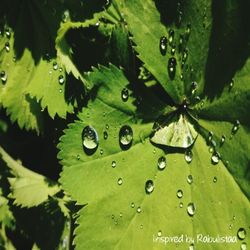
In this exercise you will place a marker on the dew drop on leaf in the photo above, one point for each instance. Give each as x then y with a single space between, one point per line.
243 246
191 247
120 214
132 204
149 186
105 135
210 136
215 158
236 127
231 84
78 157
215 179
188 156
184 57
188 30
159 233
171 36
7 47
222 140
113 164
241 233
101 151
163 45
89 138
126 136
119 181
138 210
191 209
190 179
125 94
194 86
55 65
171 67
61 79
179 193
3 75
173 50
162 162
8 33
60 90
181 205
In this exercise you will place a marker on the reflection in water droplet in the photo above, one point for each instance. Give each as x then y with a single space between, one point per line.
7 47
215 179
149 186
8 33
231 84
188 156
171 36
78 157
241 233
171 67
105 135
179 193
210 136
190 179
119 181
55 65
3 75
222 140
243 246
162 163
60 90
126 135
181 205
89 138
113 164
132 204
61 79
215 158
125 94
163 45
159 233
191 209
138 210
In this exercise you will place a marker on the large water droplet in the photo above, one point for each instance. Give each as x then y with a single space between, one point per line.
4 77
215 158
89 138
119 181
138 210
243 246
191 209
241 233
163 45
171 67
236 127
190 179
149 186
162 163
126 136
61 79
179 193
55 65
188 156
125 94
7 47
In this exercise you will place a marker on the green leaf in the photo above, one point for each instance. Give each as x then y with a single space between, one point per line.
111 182
147 26
28 188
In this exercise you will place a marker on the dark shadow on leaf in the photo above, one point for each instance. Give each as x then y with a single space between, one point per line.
229 44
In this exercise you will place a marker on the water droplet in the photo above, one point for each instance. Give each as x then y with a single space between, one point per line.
125 94
215 179
241 233
78 157
215 158
65 242
236 127
119 181
163 45
188 30
4 77
159 233
188 156
194 86
8 33
65 16
171 36
105 135
14 59
173 50
126 136
231 84
149 186
55 65
243 246
184 56
120 214
222 140
138 210
113 164
107 126
191 209
141 226
61 79
181 205
210 136
190 179
171 67
191 247
7 47
162 163
179 193
60 90
132 204
101 151
89 138
112 216
60 69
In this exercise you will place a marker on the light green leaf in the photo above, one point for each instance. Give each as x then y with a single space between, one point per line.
121 212
28 188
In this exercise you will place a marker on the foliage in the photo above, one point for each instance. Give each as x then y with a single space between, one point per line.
144 104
